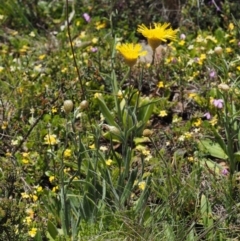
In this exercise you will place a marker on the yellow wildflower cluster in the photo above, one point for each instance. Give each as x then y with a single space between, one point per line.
99 25
156 35
67 153
32 233
163 113
197 122
28 196
51 139
109 162
142 185
160 33
131 52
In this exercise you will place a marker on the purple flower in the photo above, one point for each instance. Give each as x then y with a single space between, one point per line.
207 115
218 103
212 74
196 59
239 43
215 4
86 17
94 49
174 61
224 172
182 36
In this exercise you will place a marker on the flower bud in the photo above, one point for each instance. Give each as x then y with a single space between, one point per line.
147 132
182 36
218 50
84 105
223 86
113 129
67 106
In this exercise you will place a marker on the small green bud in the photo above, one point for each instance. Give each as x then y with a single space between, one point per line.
84 105
223 86
68 106
147 132
218 50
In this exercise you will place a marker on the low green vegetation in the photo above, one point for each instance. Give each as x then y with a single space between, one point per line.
115 127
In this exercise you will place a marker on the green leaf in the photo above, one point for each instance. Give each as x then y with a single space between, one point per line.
212 148
127 119
106 112
237 156
141 202
139 140
144 114
52 230
219 34
145 110
110 136
49 237
128 188
206 212
211 165
38 237
147 217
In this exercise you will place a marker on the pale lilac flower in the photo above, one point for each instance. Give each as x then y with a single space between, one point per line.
174 61
207 115
94 49
224 172
212 74
216 6
86 17
239 43
196 59
182 36
218 103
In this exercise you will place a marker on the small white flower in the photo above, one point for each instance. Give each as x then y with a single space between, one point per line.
181 138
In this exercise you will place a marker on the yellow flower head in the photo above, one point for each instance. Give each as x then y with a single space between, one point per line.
51 139
67 153
160 84
231 26
131 52
99 25
197 122
51 178
32 232
160 33
109 162
142 185
163 113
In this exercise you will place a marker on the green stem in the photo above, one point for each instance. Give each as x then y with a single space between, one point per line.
153 58
73 53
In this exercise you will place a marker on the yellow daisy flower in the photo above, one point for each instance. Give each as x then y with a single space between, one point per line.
231 26
130 52
32 232
142 185
197 122
67 153
160 84
163 113
160 33
109 162
228 50
99 25
51 178
51 139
